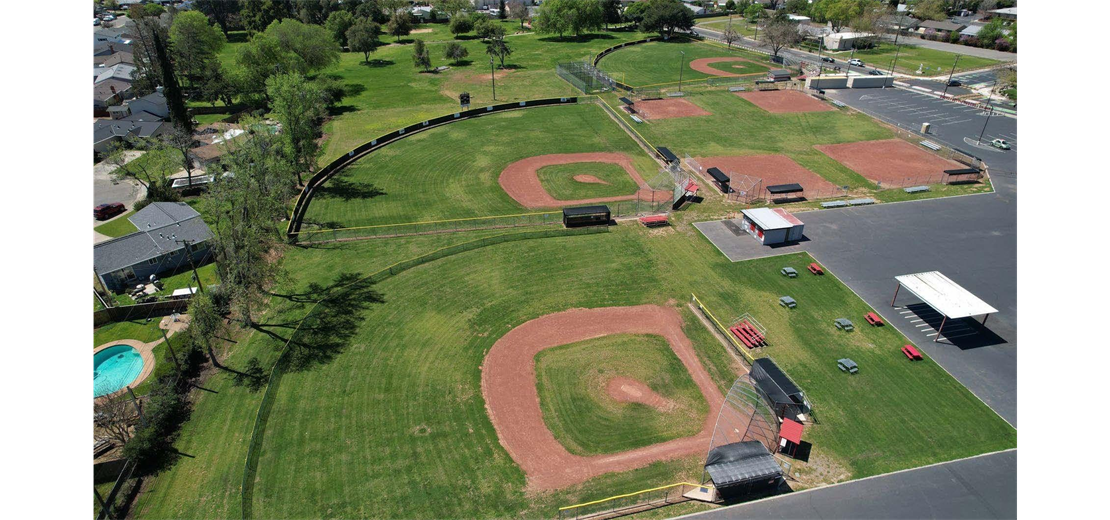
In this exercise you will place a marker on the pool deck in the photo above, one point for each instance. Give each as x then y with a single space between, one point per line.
146 350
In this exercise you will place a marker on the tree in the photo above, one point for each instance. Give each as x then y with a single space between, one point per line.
730 36
257 15
153 10
421 58
870 22
152 171
298 105
666 16
262 57
372 10
181 141
400 24
501 11
363 37
781 33
610 12
113 417
497 47
338 23
730 6
839 13
451 7
930 9
155 41
753 12
311 43
460 25
482 25
518 11
634 13
220 11
455 52
797 6
194 44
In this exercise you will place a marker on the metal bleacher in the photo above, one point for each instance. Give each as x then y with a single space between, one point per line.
737 89
861 202
834 204
838 104
916 189
931 145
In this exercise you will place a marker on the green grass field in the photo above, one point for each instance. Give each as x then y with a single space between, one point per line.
559 181
451 172
659 62
118 227
577 409
911 57
138 329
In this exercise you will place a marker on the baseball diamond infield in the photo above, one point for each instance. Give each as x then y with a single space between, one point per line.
785 101
773 169
521 182
513 403
703 65
668 109
888 160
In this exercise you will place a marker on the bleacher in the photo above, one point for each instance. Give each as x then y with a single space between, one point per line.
737 89
915 189
838 104
861 202
636 119
931 145
834 204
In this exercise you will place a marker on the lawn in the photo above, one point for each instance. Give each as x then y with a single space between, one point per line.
138 329
660 62
559 181
911 57
572 379
739 24
396 407
451 172
117 227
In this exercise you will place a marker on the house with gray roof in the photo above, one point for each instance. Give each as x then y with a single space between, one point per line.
119 71
151 107
940 26
109 131
157 247
110 92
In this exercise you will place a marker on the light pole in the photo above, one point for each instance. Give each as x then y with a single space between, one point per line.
989 111
493 79
681 65
848 70
897 48
946 83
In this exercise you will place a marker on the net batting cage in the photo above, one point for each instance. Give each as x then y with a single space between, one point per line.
585 77
784 397
741 453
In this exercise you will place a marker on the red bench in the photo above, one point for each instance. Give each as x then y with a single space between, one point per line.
742 337
912 353
873 319
815 269
752 332
748 334
654 220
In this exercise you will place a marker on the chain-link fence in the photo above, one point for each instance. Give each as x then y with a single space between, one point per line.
585 77
428 227
631 503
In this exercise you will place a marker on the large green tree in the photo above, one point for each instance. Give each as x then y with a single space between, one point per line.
421 57
363 37
666 16
299 105
220 11
563 17
257 15
400 24
311 43
337 24
195 44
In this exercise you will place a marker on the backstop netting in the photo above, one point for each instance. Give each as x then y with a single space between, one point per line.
742 188
585 77
748 427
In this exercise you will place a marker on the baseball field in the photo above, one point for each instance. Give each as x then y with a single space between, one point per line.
507 372
660 62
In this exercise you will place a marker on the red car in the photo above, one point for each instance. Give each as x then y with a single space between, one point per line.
107 211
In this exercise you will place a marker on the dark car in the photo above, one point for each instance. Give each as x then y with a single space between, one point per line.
954 83
107 211
874 72
827 59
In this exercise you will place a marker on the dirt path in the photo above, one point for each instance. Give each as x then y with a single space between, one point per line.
702 65
521 182
512 401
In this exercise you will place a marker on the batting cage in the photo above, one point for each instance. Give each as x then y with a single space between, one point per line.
741 453
585 77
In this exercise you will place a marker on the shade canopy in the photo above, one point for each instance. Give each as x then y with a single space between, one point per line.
944 295
791 430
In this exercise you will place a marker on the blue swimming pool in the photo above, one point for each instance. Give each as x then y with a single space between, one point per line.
114 368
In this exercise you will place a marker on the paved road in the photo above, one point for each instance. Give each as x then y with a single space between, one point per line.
981 487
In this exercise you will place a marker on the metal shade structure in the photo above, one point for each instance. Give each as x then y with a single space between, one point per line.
944 296
745 438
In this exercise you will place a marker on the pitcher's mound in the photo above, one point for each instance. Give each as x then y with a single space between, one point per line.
627 390
668 109
588 179
785 101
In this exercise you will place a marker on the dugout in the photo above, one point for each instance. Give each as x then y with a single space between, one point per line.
962 175
720 178
776 75
772 226
782 395
668 155
586 216
740 468
778 193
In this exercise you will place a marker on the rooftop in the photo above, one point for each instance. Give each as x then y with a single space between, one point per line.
944 295
767 218
153 242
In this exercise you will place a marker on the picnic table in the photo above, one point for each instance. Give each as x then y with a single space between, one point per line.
789 271
787 302
873 319
844 324
912 353
815 269
847 365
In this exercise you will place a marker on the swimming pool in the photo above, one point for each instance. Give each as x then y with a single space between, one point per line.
114 368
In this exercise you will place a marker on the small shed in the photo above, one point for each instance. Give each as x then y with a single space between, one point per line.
772 226
586 216
782 395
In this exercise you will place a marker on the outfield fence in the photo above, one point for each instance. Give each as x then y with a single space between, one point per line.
305 198
635 502
431 227
262 417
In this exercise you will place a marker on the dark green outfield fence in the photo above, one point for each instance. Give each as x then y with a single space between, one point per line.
278 370
325 173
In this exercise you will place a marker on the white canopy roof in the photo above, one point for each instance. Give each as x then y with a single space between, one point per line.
944 295
766 218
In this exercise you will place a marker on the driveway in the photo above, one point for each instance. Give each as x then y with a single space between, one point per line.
106 189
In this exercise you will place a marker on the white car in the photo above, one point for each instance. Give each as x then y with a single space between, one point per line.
109 17
856 62
1000 143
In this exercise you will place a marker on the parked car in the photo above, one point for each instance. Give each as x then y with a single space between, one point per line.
855 61
1000 143
96 21
109 17
874 72
107 211
954 83
827 59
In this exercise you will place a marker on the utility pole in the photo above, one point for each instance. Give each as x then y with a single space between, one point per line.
897 48
173 355
493 79
989 111
189 255
848 70
953 71
681 65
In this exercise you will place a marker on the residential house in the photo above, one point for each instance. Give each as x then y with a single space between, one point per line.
125 58
153 105
1009 13
110 92
940 27
110 48
108 131
212 143
119 71
159 246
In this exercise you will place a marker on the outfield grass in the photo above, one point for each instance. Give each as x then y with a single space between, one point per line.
559 181
118 227
451 172
571 380
910 57
660 61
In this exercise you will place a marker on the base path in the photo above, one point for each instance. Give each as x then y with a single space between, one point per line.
513 403
702 65
785 101
890 161
521 182
668 109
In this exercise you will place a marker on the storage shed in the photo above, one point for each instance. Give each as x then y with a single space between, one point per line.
772 226
586 216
